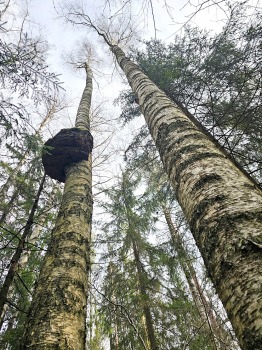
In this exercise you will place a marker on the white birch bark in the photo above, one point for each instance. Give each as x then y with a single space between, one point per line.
57 318
222 206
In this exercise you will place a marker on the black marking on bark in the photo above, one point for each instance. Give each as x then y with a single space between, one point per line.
178 154
71 262
248 185
163 137
194 136
75 252
252 342
135 74
213 228
165 144
152 120
71 236
142 82
61 297
151 96
68 281
166 129
206 180
76 211
202 207
65 300
193 159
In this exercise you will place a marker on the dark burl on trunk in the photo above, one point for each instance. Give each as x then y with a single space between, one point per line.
67 147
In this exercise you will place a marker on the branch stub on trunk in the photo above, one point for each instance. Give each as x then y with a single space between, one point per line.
65 148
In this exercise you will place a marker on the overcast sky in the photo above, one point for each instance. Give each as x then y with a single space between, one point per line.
63 39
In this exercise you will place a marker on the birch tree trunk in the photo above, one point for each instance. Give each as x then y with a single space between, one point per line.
222 205
58 312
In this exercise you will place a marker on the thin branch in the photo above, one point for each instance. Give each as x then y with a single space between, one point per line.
9 302
125 312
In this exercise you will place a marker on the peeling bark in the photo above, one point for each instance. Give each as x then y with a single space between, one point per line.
221 204
58 312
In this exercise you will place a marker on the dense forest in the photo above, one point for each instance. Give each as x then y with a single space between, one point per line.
165 252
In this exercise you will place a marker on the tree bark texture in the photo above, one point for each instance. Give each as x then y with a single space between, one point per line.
222 206
57 318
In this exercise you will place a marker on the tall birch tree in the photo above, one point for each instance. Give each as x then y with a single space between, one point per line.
221 204
58 311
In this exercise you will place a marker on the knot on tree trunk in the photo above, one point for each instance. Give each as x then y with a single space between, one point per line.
67 147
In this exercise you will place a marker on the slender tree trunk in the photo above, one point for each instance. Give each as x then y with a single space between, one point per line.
8 206
91 312
33 237
2 316
186 266
114 339
116 334
142 288
208 318
221 204
58 311
19 250
140 273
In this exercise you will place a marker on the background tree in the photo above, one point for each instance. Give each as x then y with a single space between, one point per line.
136 238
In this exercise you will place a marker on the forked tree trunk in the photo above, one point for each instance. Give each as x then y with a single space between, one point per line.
58 311
221 204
